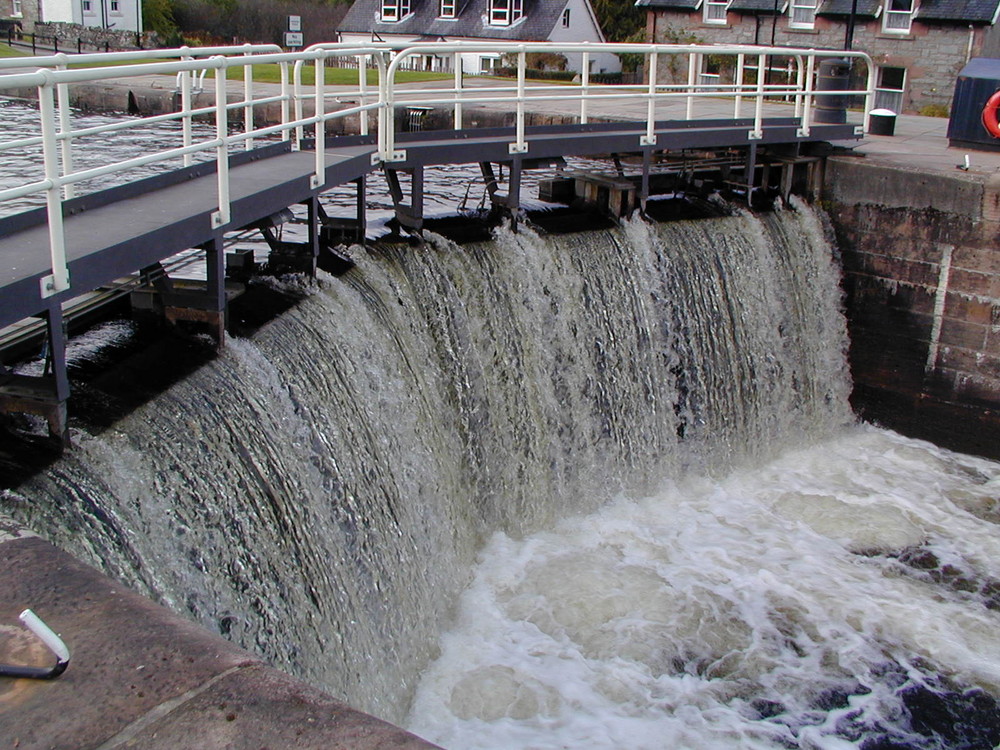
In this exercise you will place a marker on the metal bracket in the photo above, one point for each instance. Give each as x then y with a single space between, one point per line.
51 286
802 133
755 135
315 181
55 644
859 130
517 148
396 156
217 219
647 140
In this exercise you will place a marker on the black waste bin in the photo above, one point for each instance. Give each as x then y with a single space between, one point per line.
881 122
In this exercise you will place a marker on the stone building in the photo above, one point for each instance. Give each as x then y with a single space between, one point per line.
917 46
478 21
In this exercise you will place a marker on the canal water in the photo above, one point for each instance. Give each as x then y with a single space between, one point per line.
595 490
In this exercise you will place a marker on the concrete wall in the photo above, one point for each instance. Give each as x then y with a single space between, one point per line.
921 256
141 676
932 55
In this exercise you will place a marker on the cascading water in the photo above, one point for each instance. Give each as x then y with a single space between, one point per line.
320 493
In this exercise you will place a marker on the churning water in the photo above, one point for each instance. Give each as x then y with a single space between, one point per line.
642 436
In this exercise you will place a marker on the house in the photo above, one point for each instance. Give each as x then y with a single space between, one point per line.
409 21
18 15
917 46
116 15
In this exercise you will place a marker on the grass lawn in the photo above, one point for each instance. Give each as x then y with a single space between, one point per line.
6 51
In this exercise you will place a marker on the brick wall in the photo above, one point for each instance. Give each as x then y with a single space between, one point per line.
932 55
922 277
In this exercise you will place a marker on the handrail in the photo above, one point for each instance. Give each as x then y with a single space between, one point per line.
52 76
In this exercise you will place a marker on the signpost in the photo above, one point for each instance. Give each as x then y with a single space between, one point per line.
294 36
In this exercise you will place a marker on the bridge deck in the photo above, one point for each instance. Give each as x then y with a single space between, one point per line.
119 231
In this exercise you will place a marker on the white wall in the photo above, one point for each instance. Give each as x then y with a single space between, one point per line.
583 28
58 11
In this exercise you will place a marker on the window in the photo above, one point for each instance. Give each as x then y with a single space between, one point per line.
16 13
448 8
487 64
565 19
394 10
505 12
114 6
898 16
87 7
802 14
715 11
890 88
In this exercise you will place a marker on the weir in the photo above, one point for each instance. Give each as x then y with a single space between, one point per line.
80 243
641 434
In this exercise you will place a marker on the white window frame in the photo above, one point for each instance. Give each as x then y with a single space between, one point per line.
115 7
886 98
87 6
715 12
505 12
394 11
802 14
898 21
16 10
448 9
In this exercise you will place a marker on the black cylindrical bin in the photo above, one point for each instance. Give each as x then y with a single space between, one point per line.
881 122
834 75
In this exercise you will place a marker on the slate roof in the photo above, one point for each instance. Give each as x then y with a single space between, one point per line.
866 8
759 7
670 4
540 17
968 11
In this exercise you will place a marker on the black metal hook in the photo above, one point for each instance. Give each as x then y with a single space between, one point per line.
55 644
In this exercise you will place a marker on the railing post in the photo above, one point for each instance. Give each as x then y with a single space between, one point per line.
459 83
693 66
386 125
65 133
740 64
363 93
320 106
650 138
297 101
757 133
285 96
186 132
519 146
58 281
806 121
247 101
222 216
584 86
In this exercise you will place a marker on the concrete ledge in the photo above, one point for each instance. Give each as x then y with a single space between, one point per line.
141 676
853 181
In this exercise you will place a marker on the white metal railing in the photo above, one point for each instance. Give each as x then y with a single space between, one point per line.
304 110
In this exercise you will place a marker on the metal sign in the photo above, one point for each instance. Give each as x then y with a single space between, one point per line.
294 39
295 23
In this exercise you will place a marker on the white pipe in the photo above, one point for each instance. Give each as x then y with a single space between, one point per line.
55 644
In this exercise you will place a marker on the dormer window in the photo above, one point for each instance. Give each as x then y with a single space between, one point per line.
505 12
802 14
394 10
898 16
715 11
448 8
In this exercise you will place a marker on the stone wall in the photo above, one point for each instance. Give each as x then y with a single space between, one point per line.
921 258
932 55
94 37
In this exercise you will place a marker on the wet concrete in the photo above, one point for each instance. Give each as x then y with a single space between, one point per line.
141 676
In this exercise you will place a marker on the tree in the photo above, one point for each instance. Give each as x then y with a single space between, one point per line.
620 20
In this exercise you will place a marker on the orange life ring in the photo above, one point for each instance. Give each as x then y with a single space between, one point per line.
991 119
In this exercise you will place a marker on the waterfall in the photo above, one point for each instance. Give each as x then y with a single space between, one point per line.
320 492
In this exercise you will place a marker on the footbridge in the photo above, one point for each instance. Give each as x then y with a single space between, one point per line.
241 152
